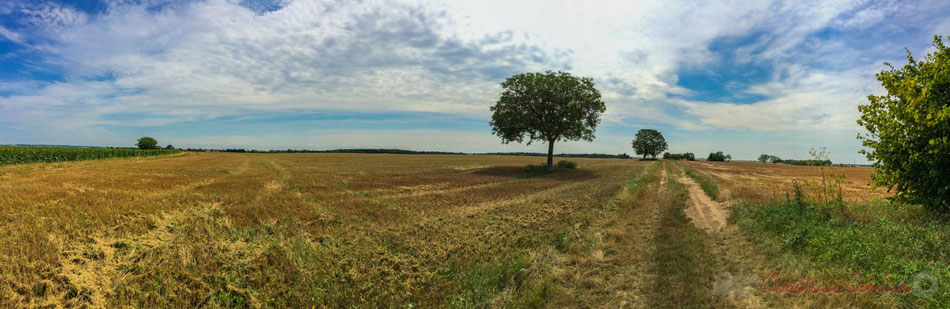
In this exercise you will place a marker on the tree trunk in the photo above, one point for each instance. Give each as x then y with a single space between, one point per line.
550 153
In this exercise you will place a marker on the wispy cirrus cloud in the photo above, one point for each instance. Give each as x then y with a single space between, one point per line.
9 35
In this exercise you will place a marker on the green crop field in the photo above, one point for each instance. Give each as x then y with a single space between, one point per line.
31 154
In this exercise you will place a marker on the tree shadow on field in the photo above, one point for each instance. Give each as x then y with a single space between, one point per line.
521 171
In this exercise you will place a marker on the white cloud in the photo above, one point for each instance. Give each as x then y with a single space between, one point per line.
868 16
51 15
806 100
178 60
10 35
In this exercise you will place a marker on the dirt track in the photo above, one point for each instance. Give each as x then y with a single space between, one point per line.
703 211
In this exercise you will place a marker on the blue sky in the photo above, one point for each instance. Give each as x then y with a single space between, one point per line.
743 77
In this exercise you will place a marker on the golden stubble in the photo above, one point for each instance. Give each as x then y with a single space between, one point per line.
227 229
765 182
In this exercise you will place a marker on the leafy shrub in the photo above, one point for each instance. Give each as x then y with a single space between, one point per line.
567 164
907 137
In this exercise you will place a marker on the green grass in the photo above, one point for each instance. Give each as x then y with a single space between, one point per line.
905 242
684 265
29 154
481 282
647 175
704 181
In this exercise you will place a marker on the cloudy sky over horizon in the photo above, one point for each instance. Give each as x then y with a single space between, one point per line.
744 77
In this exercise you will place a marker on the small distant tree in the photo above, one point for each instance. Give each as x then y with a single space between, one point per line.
908 137
728 157
549 107
716 156
764 158
775 159
649 142
147 143
169 147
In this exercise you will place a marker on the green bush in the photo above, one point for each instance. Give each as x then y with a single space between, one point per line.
565 164
908 128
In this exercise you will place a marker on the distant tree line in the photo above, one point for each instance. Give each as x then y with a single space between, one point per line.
806 162
565 155
766 158
689 156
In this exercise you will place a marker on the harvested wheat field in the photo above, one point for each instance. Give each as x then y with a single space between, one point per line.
291 230
200 229
755 181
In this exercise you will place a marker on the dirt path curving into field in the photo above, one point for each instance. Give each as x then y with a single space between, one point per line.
703 211
736 280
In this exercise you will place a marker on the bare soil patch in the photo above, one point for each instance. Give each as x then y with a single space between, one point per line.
702 210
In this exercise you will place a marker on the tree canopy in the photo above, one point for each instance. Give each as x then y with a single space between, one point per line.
716 156
766 158
649 142
147 143
908 138
548 107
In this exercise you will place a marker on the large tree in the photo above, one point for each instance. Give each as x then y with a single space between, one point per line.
147 143
649 142
547 107
908 136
